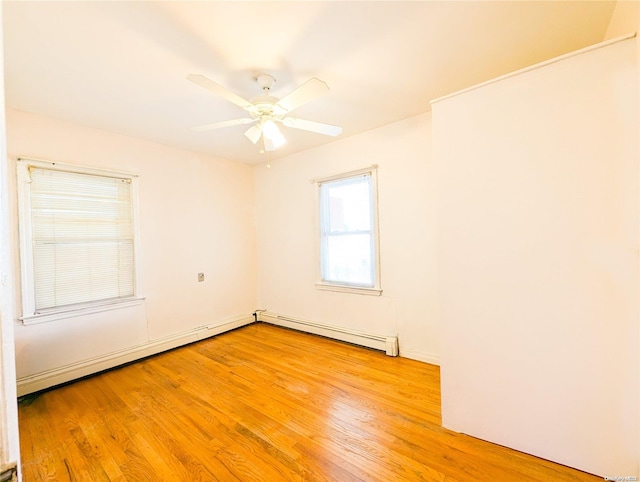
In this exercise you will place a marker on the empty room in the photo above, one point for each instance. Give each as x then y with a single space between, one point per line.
320 241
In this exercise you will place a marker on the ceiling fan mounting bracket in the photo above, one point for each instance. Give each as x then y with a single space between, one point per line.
265 81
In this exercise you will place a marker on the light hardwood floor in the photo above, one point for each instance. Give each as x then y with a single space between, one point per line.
261 403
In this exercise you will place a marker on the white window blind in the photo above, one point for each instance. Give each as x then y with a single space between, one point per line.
82 242
348 242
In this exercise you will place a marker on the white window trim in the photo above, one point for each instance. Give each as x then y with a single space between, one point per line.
80 310
376 290
358 290
26 252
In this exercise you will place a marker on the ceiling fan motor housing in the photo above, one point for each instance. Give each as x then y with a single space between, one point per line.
266 105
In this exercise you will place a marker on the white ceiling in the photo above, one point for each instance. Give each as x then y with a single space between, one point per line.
121 66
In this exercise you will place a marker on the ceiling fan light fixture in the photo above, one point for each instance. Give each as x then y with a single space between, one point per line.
273 138
253 133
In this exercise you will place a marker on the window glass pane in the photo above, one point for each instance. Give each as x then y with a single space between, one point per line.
349 205
348 244
349 259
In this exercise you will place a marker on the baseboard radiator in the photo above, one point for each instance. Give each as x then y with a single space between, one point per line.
388 344
50 378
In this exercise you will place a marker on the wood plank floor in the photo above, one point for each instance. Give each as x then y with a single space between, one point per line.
261 403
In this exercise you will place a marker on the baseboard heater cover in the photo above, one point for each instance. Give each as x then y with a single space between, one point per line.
388 344
51 378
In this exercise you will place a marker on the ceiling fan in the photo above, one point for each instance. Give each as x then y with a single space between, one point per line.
265 110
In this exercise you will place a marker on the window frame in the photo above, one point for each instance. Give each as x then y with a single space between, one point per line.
321 284
29 314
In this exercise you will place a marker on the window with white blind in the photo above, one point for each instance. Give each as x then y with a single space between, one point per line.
77 237
349 233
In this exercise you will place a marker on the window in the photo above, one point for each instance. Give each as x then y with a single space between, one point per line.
77 239
348 233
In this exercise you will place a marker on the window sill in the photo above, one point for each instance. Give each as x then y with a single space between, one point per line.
79 311
349 289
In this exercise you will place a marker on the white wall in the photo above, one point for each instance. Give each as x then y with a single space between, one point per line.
626 19
538 255
196 214
287 236
9 442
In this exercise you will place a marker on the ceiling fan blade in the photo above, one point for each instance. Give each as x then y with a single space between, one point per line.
307 125
209 84
308 91
229 123
253 133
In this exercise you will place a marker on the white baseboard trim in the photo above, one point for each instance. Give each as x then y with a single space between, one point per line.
387 344
50 378
421 356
